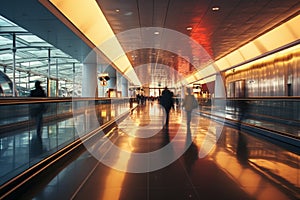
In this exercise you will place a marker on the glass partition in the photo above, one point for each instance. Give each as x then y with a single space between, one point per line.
277 114
31 130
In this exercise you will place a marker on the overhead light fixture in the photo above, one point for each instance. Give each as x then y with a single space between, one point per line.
128 13
189 28
103 78
156 33
215 8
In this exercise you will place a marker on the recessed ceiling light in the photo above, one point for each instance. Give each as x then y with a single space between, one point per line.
215 8
117 10
189 28
128 13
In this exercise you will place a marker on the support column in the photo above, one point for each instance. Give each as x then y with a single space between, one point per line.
28 82
73 84
119 84
219 87
90 89
102 88
14 49
125 87
219 100
112 83
57 86
89 80
182 92
48 78
122 85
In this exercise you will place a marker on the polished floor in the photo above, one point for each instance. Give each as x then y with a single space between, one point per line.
207 161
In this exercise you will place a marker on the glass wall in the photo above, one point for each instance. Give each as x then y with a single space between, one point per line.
25 58
23 143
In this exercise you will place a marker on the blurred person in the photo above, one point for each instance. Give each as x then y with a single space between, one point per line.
143 99
189 103
37 110
38 91
138 98
167 101
242 112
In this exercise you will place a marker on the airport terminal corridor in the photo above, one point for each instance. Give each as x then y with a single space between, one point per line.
86 87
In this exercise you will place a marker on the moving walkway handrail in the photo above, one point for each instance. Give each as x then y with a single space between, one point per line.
31 100
15 112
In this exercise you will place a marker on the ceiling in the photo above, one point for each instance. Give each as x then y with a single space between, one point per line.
219 32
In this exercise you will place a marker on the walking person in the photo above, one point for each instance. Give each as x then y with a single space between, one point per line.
167 101
189 103
36 110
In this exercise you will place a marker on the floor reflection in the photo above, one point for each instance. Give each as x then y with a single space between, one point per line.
191 154
242 149
36 146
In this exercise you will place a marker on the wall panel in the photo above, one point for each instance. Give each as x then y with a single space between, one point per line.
277 75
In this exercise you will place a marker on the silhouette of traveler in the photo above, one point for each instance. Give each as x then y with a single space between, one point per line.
243 109
242 149
36 110
36 146
167 101
189 103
